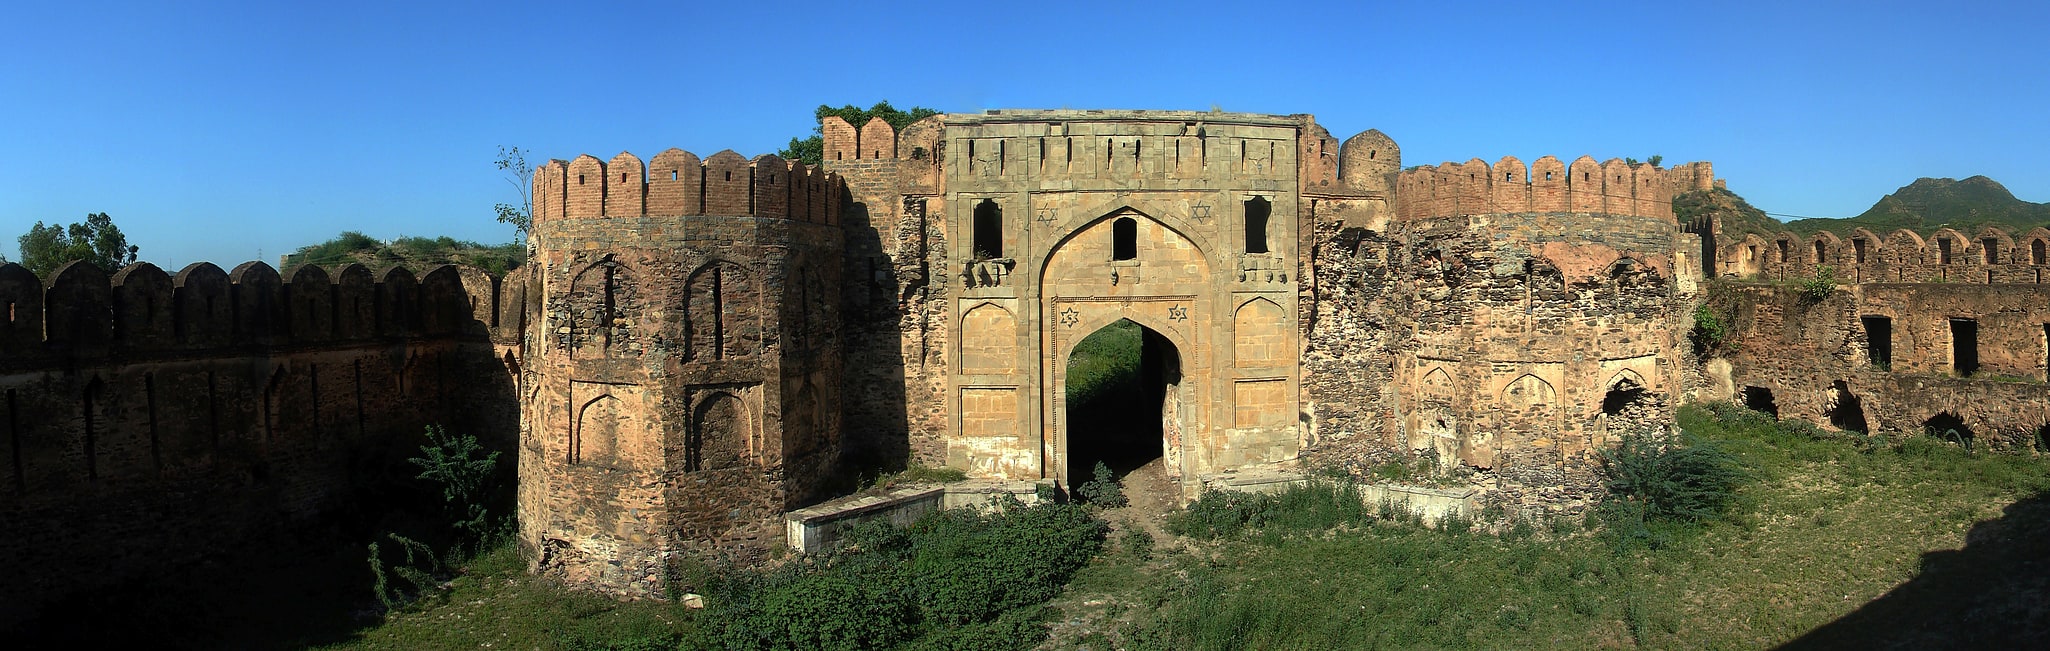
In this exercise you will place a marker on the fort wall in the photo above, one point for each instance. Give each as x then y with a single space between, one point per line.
1884 358
153 420
684 390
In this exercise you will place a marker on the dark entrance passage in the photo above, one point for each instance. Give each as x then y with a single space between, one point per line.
1846 412
1760 399
1949 427
1118 384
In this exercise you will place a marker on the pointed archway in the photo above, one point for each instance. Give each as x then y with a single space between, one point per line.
1123 396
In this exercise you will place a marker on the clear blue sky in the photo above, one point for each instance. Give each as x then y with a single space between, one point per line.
215 131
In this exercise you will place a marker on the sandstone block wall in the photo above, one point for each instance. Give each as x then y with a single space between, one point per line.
152 420
683 388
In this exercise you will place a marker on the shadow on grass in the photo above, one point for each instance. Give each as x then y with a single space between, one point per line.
294 592
1993 594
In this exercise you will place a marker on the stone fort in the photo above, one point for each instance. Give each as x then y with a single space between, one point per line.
700 345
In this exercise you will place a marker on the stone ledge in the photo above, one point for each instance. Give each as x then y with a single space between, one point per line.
814 528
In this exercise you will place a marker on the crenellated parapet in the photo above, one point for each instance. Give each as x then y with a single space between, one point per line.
80 312
1546 185
677 183
1991 255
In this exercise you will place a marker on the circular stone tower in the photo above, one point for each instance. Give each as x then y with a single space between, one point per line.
1546 306
677 390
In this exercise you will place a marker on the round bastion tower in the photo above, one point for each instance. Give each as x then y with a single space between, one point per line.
676 392
1546 306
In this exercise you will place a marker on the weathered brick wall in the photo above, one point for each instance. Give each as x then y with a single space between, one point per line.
1992 256
1475 187
1816 358
897 330
684 390
153 420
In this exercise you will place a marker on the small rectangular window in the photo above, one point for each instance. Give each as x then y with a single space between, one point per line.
1964 346
1992 249
1943 250
1257 212
1878 341
1858 249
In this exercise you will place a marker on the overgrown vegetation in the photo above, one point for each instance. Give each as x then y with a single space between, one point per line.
410 252
467 478
812 149
1834 538
1817 287
1710 331
96 240
1826 523
1102 490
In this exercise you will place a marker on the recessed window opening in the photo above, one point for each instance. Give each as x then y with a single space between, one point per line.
1783 250
1878 341
1000 157
580 179
1821 252
672 175
1372 153
622 177
2036 252
989 230
1943 250
1992 248
1257 212
1964 346
1858 250
971 155
1124 236
1548 176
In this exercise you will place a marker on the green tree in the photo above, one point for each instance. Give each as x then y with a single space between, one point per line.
96 240
513 162
812 150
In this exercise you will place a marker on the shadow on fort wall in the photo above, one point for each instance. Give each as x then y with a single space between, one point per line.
257 540
1992 594
877 299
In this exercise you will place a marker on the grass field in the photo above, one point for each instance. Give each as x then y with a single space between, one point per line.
1835 542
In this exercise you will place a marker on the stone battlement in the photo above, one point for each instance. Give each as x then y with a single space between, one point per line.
677 183
81 313
1992 256
1546 185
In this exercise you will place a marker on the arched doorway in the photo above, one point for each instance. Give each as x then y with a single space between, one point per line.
1123 395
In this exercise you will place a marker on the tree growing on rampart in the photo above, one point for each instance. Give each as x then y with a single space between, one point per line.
96 240
513 161
812 150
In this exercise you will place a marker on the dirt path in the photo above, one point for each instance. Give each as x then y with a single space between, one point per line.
1149 497
1087 614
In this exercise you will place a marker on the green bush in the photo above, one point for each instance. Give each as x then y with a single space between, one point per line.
958 578
1318 505
1821 285
1102 490
1669 480
1709 331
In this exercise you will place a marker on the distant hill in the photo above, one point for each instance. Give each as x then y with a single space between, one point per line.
1928 204
1923 206
1736 215
415 253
